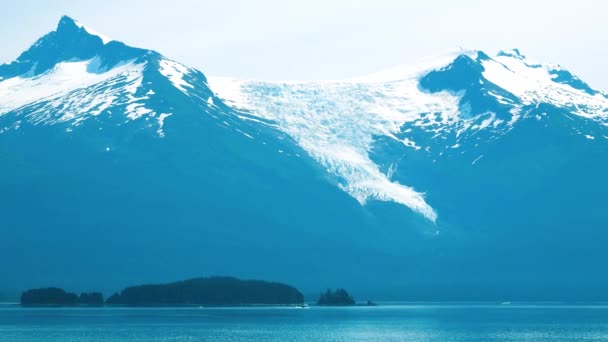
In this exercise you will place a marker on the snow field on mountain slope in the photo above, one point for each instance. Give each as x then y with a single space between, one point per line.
336 122
533 83
72 89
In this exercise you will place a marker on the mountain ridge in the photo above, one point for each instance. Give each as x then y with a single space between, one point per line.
472 92
425 178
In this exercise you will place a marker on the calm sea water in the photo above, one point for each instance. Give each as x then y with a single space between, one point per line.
443 323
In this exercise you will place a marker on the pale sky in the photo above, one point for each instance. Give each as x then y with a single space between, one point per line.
326 39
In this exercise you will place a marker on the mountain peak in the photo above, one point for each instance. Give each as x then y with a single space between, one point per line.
66 22
514 53
67 25
70 41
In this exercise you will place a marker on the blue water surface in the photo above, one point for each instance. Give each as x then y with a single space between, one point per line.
443 323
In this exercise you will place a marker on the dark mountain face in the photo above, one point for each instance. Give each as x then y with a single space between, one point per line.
462 181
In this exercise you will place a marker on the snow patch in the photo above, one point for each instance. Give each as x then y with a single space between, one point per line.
161 123
175 72
410 143
243 133
104 38
135 111
477 159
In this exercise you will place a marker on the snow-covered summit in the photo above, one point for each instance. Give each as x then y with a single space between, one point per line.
70 41
73 74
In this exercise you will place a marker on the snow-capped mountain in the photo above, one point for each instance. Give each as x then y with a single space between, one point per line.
433 173
452 99
72 75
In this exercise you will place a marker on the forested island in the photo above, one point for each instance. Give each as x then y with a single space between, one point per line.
53 296
214 291
339 297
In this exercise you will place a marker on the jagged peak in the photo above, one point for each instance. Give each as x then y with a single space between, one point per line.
514 53
70 41
66 22
105 39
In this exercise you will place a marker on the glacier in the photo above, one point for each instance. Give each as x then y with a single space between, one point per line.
337 122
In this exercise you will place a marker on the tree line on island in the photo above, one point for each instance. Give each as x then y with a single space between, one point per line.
56 296
339 297
209 291
212 291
